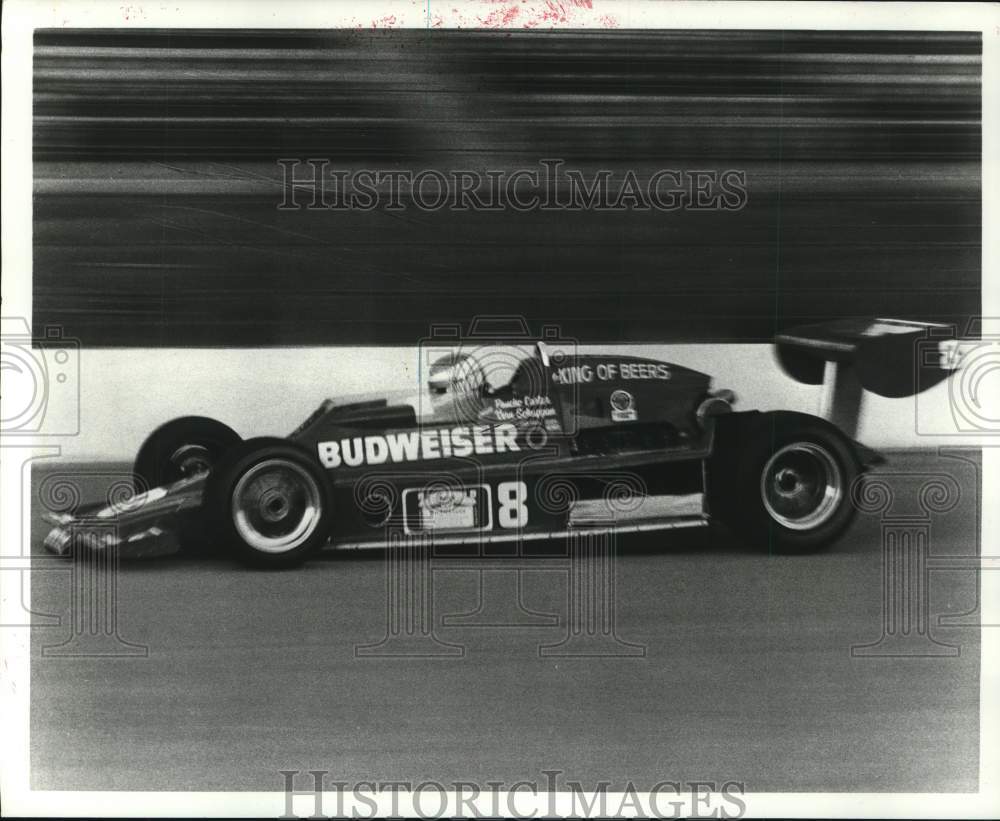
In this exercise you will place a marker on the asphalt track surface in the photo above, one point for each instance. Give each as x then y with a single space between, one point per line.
747 673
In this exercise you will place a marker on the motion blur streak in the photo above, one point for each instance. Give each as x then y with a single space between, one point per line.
157 182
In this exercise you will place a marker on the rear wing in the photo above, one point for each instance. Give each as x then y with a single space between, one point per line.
889 357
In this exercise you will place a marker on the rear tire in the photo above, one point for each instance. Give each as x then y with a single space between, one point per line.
786 483
269 503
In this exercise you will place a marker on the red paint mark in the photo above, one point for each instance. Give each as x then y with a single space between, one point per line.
532 14
500 17
132 12
554 13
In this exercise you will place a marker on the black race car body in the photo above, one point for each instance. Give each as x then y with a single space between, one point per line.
497 465
564 442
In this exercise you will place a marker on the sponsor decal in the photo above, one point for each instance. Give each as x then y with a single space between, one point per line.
622 407
416 445
451 508
603 371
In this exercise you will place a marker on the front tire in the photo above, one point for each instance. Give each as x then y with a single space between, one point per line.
180 448
269 503
790 480
183 448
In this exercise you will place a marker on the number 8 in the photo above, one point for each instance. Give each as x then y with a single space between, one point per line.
513 511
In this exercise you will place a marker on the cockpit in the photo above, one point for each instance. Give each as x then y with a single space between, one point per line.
470 383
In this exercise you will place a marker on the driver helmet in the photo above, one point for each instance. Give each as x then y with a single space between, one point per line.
459 381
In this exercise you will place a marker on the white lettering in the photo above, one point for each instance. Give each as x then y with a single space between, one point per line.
482 442
329 454
460 441
428 444
429 439
404 447
506 438
354 453
513 512
376 450
644 370
573 374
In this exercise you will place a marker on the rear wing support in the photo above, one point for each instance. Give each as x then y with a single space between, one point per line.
889 357
840 401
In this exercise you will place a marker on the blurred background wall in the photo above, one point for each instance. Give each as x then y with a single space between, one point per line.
157 182
159 244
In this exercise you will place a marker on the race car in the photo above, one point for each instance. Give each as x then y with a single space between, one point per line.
562 442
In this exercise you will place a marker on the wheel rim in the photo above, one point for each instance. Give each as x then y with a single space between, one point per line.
191 460
276 506
801 486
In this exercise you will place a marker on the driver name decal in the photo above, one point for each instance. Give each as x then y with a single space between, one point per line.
412 446
527 408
